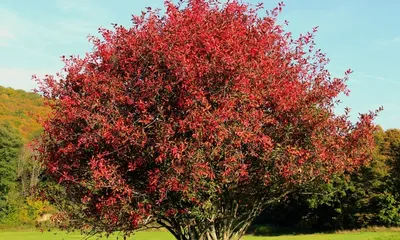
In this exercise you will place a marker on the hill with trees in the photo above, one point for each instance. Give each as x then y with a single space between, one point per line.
19 172
18 108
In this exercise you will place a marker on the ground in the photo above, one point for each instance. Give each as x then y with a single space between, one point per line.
166 236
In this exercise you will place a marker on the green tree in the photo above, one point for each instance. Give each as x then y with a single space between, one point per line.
10 147
28 172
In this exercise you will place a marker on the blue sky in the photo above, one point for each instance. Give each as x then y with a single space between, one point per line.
363 35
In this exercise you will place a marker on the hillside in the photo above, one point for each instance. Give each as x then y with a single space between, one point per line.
19 108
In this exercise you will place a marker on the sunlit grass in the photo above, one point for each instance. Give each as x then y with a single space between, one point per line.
349 235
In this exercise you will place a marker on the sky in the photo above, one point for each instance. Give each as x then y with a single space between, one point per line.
362 35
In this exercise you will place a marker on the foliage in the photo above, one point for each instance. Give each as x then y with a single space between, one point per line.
28 172
19 108
271 230
196 119
366 197
19 173
20 206
10 145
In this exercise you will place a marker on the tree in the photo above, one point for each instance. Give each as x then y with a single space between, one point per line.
10 146
196 119
362 198
28 172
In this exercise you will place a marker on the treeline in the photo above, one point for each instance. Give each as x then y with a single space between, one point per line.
19 173
20 109
368 197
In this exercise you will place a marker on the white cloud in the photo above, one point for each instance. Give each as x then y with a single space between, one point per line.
87 8
377 78
66 4
388 42
6 34
16 28
78 26
17 31
43 42
20 78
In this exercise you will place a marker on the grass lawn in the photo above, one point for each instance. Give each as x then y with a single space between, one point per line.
167 236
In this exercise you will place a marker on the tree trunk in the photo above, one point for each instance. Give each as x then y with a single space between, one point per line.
224 221
222 230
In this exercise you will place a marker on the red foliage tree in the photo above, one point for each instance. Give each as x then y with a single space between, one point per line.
196 119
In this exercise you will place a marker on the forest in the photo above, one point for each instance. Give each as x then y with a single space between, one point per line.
19 172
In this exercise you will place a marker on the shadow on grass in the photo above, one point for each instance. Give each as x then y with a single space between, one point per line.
270 230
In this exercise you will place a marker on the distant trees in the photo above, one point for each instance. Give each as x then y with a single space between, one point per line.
10 147
20 109
28 172
19 172
369 196
197 119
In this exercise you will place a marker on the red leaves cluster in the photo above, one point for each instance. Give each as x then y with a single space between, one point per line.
207 98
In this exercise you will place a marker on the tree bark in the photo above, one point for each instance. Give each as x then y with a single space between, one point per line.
226 220
232 229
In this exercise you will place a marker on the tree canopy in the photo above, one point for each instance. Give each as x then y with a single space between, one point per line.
369 196
19 172
19 108
10 147
196 119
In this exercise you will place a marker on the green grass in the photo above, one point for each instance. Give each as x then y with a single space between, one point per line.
166 236
336 236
